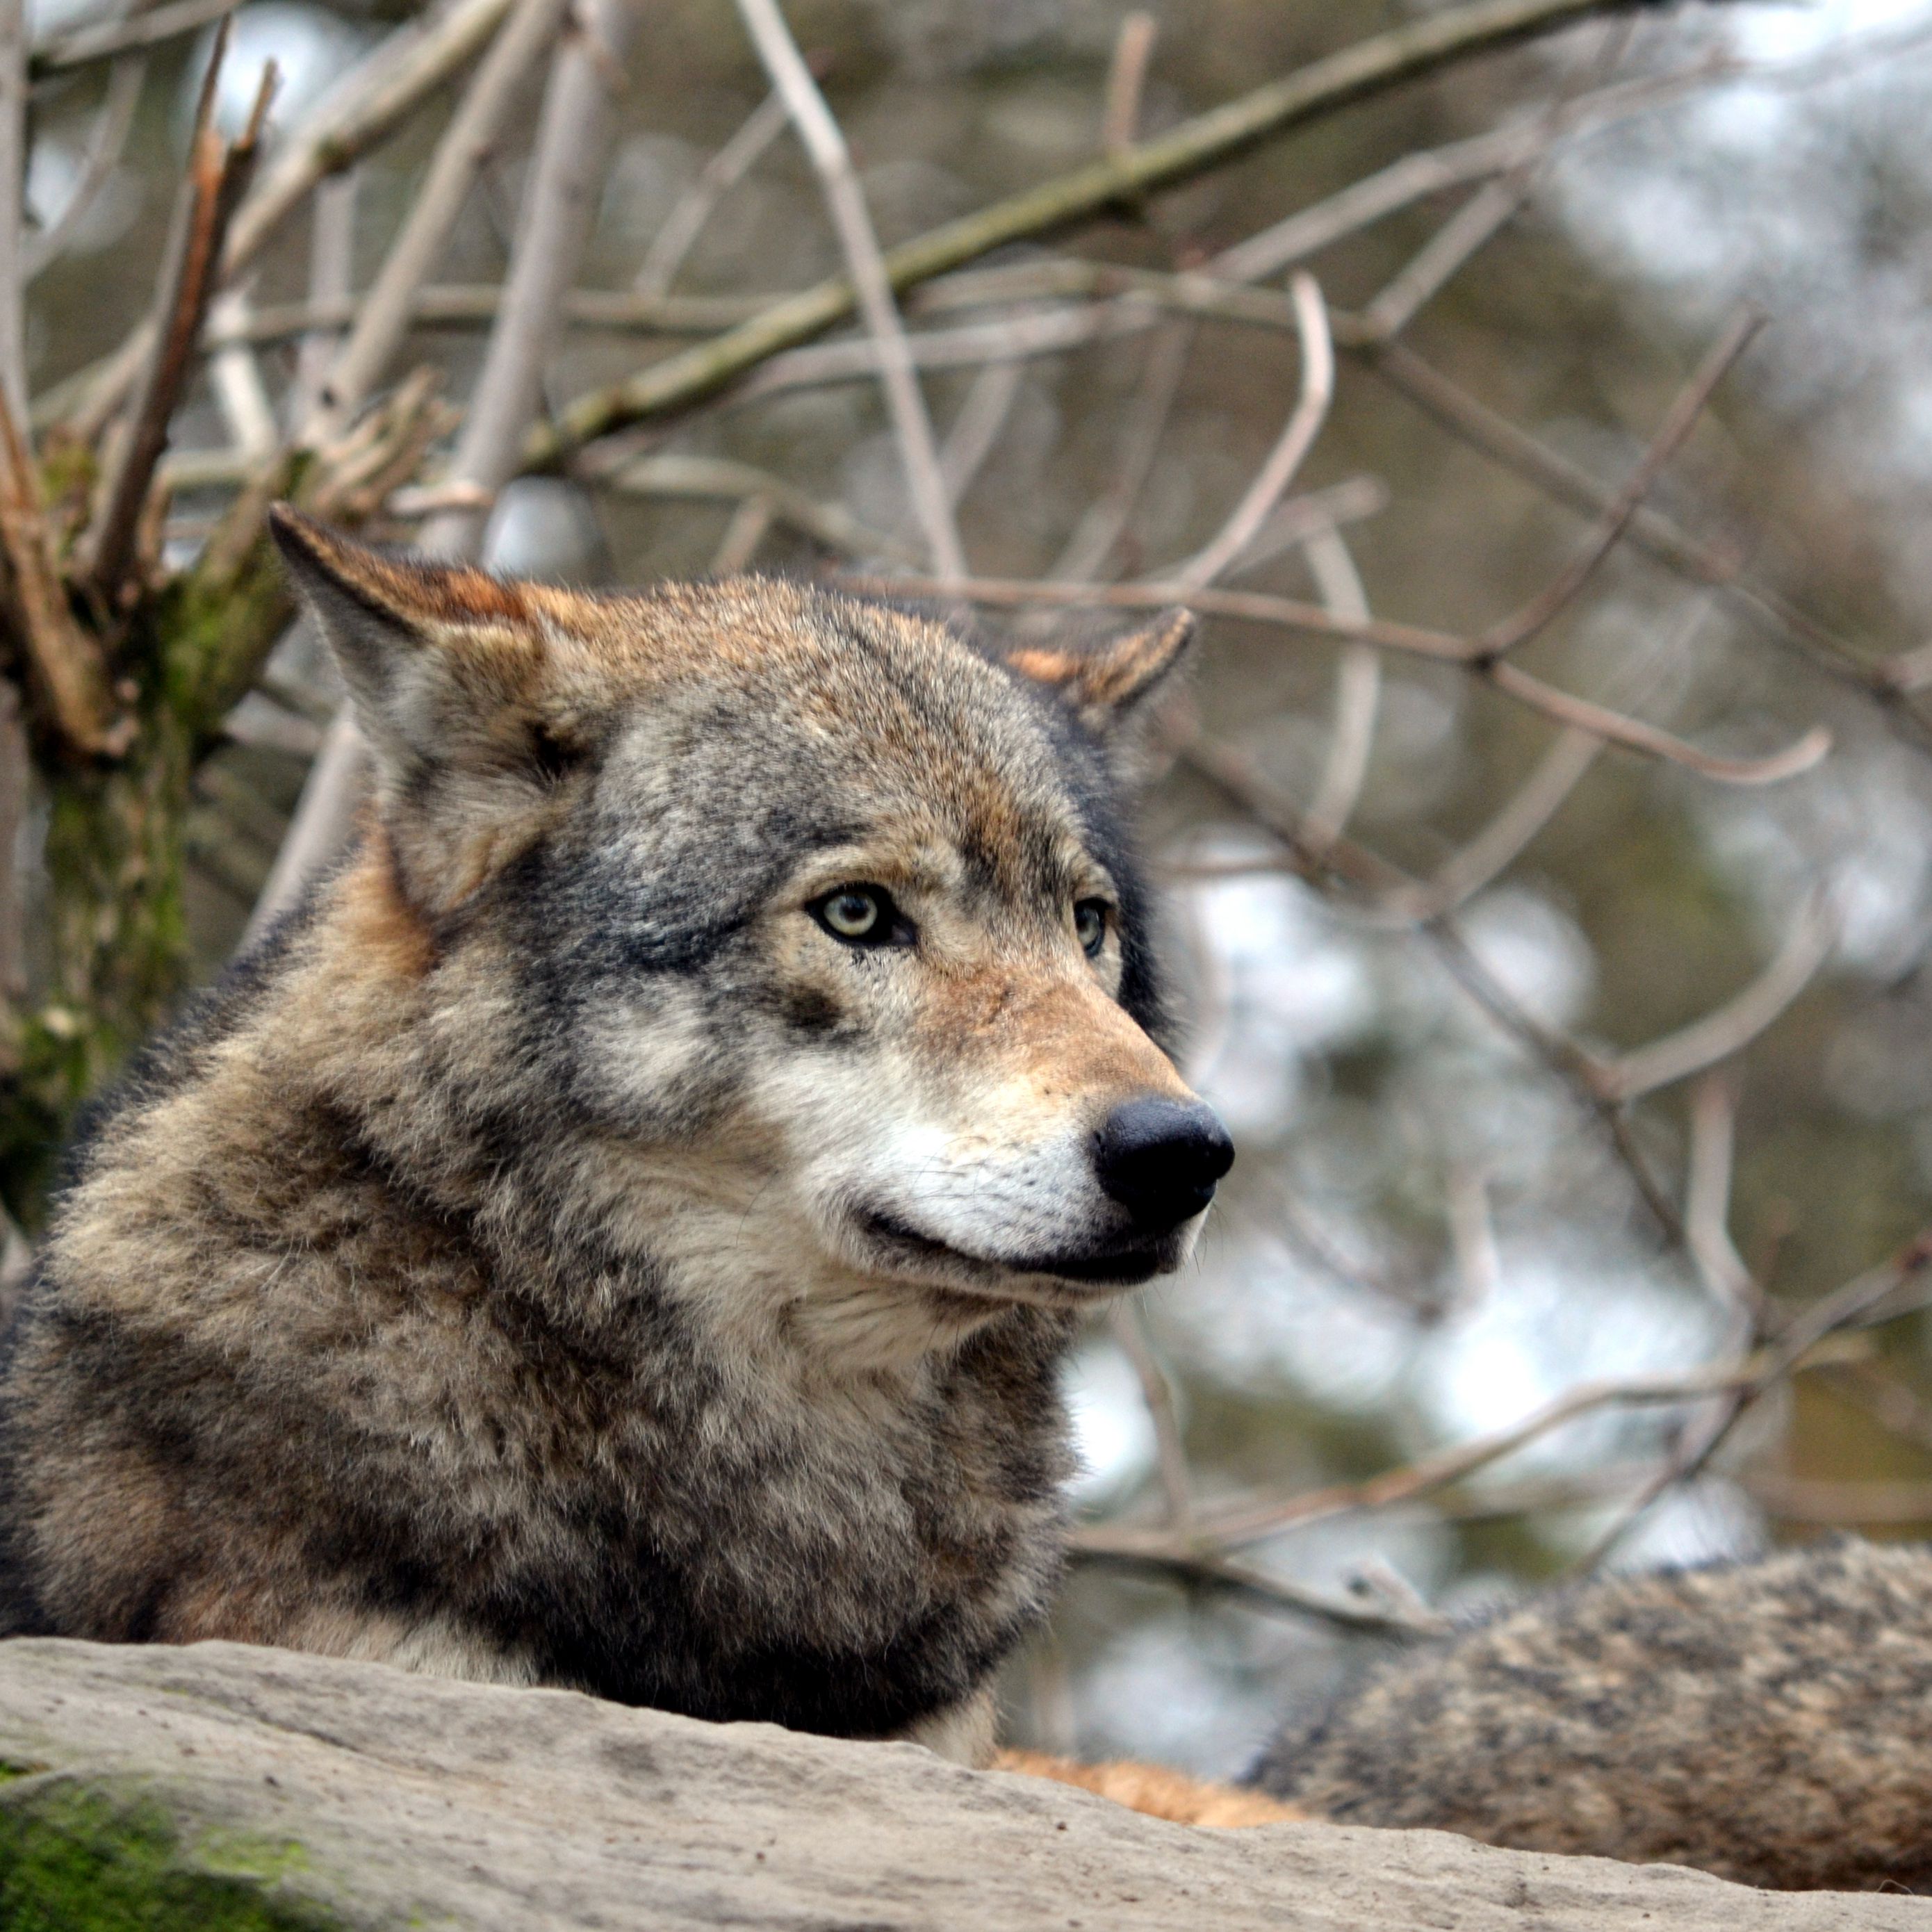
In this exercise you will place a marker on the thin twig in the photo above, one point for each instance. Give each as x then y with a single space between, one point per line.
693 209
1126 82
240 390
360 112
1127 1324
574 134
715 478
1370 67
1358 682
382 316
1257 607
106 142
1508 834
1857 1298
1678 421
13 202
1426 272
1230 1527
111 39
1707 1205
331 268
1458 164
1464 416
1734 1024
217 177
1861 1302
831 161
1290 450
1143 424
1264 1591
975 431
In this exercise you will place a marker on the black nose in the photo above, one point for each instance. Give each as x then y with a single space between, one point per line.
1160 1159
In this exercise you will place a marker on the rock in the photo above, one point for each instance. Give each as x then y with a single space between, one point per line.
225 1788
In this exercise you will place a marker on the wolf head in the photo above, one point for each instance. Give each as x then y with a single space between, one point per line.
795 909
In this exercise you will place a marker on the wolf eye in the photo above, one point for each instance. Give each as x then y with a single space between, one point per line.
862 916
1090 925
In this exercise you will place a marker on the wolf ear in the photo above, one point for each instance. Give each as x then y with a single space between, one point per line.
451 675
443 664
1108 684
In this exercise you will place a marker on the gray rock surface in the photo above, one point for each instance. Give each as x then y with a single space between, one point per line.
231 1790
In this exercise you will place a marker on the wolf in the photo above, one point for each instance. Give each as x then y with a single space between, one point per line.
622 1232
1769 1721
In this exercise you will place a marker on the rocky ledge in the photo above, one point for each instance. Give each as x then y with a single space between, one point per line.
224 1788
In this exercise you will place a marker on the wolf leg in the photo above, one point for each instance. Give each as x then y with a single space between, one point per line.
1155 1790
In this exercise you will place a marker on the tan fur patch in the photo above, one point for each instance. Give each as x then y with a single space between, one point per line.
1108 677
381 925
1159 1793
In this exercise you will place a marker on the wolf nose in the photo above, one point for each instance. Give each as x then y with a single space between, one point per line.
1160 1159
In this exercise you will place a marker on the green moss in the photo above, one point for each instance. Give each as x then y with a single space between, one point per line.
79 1858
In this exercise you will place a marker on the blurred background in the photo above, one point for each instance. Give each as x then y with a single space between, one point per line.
1437 1224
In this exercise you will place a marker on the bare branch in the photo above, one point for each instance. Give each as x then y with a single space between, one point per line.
241 391
1265 1591
370 102
1707 1205
217 177
1677 425
362 110
973 432
1098 531
1736 1024
715 478
1371 66
1464 416
13 202
1858 1301
111 39
750 523
574 138
1461 163
1358 683
1257 607
1861 1303
1254 1522
1504 839
67 671
1298 438
1796 758
1127 1324
382 316
106 142
826 146
1127 81
331 268
693 209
